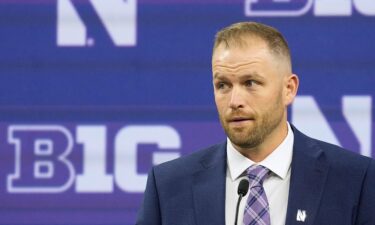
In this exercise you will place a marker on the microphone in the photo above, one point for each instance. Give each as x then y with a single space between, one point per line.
243 187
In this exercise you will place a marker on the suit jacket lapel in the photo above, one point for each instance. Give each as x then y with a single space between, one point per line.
209 188
309 171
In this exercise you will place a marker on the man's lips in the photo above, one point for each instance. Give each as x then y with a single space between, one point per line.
239 120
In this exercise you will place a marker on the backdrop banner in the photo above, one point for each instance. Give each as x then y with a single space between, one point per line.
93 93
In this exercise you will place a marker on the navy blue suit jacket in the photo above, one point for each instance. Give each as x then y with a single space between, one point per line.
333 186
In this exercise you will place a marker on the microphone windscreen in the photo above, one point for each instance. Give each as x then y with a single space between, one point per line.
243 187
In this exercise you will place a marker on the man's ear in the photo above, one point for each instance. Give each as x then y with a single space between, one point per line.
292 83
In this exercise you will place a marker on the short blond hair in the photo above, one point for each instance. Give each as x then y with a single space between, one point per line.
236 33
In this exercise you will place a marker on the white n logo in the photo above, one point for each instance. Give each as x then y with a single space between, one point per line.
118 18
301 215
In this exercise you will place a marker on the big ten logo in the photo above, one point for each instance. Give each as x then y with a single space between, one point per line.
350 126
117 17
271 8
42 164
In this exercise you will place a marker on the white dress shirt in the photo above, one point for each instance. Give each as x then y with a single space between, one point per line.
276 185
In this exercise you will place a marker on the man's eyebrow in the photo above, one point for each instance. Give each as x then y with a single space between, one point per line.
244 76
251 75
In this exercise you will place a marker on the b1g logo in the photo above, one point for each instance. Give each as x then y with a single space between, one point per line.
300 7
118 17
42 163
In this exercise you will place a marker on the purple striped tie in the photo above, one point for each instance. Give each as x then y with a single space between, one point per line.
257 208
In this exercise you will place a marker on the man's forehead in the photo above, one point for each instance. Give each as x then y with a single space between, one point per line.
237 59
252 46
240 54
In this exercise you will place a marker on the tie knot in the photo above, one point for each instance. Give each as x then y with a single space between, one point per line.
256 174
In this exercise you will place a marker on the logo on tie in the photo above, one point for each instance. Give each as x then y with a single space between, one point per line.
301 215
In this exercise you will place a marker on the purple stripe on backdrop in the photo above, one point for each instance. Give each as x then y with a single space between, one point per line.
109 112
77 217
107 108
152 2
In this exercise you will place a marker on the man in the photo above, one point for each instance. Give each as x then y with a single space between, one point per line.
293 179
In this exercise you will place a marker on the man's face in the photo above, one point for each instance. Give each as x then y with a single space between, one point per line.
249 88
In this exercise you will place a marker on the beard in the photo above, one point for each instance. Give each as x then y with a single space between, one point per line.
261 126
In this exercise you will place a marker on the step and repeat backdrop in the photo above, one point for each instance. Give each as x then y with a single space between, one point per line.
93 93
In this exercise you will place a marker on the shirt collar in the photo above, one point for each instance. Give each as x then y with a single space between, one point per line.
278 161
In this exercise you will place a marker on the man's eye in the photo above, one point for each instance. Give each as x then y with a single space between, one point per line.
249 83
221 85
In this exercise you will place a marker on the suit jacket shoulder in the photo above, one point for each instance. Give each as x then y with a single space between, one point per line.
188 190
330 184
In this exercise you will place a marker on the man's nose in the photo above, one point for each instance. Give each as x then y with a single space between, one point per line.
236 99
